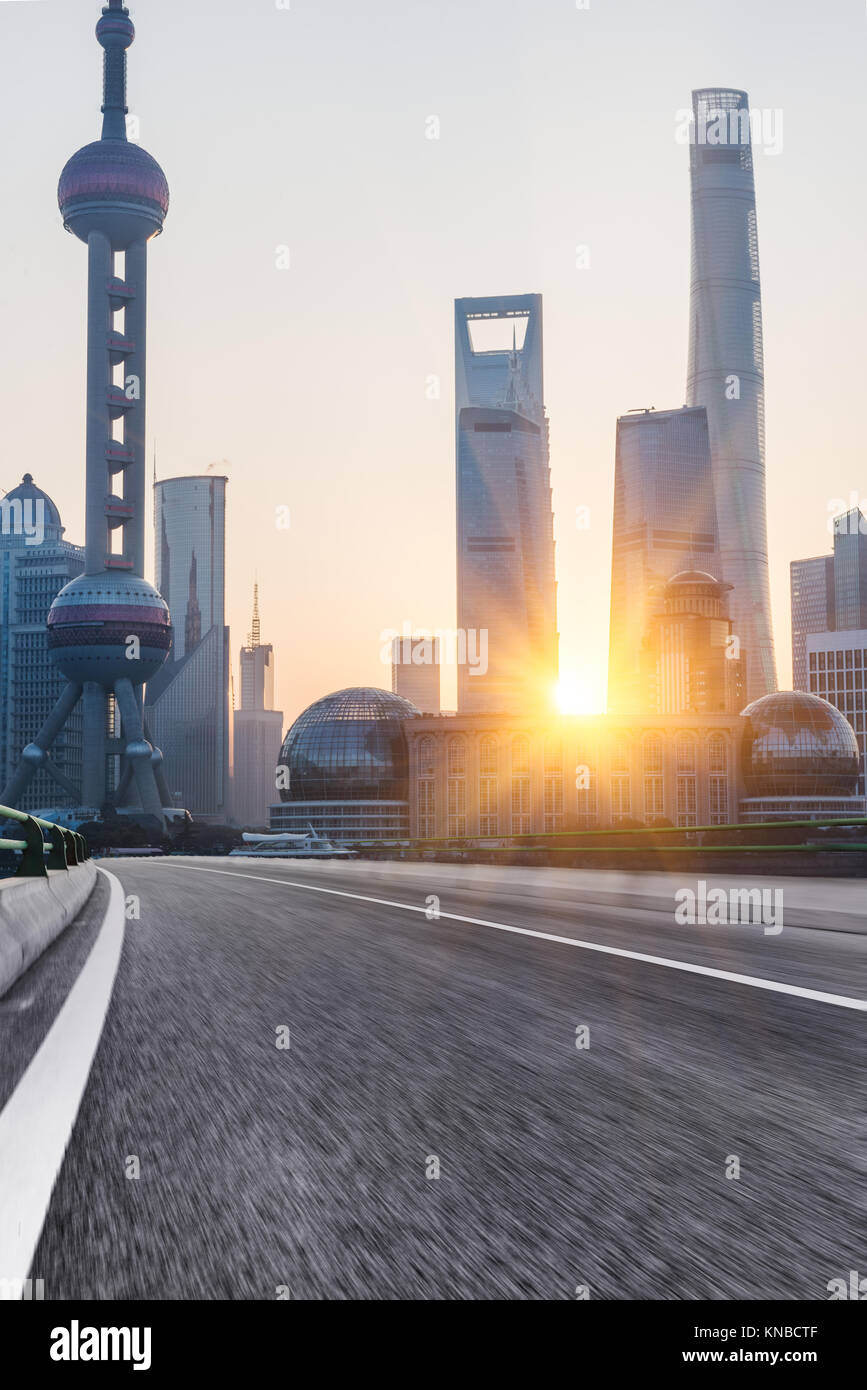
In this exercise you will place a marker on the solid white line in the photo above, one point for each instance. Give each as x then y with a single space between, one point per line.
842 1001
36 1122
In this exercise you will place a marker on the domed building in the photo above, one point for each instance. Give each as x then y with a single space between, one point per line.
691 660
799 759
28 516
343 768
35 564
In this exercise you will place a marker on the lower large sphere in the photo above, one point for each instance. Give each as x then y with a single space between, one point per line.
349 746
796 744
103 627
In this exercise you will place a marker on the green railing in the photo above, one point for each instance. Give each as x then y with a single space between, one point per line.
43 845
646 838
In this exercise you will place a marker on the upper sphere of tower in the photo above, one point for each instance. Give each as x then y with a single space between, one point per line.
115 29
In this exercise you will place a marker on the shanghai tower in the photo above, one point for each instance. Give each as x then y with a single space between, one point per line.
109 630
726 373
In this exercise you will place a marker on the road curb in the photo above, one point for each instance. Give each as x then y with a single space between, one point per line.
37 1120
33 913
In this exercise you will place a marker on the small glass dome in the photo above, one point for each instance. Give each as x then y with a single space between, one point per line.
37 507
796 744
349 746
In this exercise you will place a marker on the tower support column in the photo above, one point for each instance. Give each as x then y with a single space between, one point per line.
134 424
99 270
93 788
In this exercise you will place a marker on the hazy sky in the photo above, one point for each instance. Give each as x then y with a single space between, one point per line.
307 128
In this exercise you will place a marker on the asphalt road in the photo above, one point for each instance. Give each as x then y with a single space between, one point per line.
305 1168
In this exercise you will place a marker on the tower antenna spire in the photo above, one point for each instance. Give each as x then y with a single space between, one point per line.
115 31
256 635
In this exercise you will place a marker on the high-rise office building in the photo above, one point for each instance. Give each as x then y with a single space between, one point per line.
257 665
187 703
415 671
664 523
258 731
190 553
35 564
811 584
837 672
507 608
850 570
829 592
829 625
726 371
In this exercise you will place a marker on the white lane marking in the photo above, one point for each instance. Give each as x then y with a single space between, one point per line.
37 1120
842 1001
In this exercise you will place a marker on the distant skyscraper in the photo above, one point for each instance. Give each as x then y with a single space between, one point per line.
726 371
850 570
35 564
257 666
812 598
190 552
187 703
258 731
415 671
837 671
505 539
829 592
664 523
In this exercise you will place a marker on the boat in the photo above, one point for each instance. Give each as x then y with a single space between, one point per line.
284 845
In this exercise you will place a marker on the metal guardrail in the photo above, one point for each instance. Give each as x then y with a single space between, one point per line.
647 837
43 845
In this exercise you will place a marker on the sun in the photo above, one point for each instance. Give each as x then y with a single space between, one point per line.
575 695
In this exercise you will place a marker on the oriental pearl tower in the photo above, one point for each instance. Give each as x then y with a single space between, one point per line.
109 630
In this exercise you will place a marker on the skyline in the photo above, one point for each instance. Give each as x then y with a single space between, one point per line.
379 292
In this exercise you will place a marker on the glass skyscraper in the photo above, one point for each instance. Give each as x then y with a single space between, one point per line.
664 523
812 600
505 538
850 570
837 671
829 625
726 370
187 703
258 730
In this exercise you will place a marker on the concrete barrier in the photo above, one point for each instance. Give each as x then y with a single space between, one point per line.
33 913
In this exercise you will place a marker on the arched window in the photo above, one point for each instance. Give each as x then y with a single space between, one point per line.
553 773
653 798
457 788
621 790
585 787
718 779
520 785
426 788
488 788
685 759
426 756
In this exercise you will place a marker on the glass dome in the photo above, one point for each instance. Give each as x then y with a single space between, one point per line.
349 746
798 745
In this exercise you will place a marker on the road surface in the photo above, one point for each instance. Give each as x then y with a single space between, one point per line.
420 1044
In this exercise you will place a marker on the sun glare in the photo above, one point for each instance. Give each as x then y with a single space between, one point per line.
574 695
